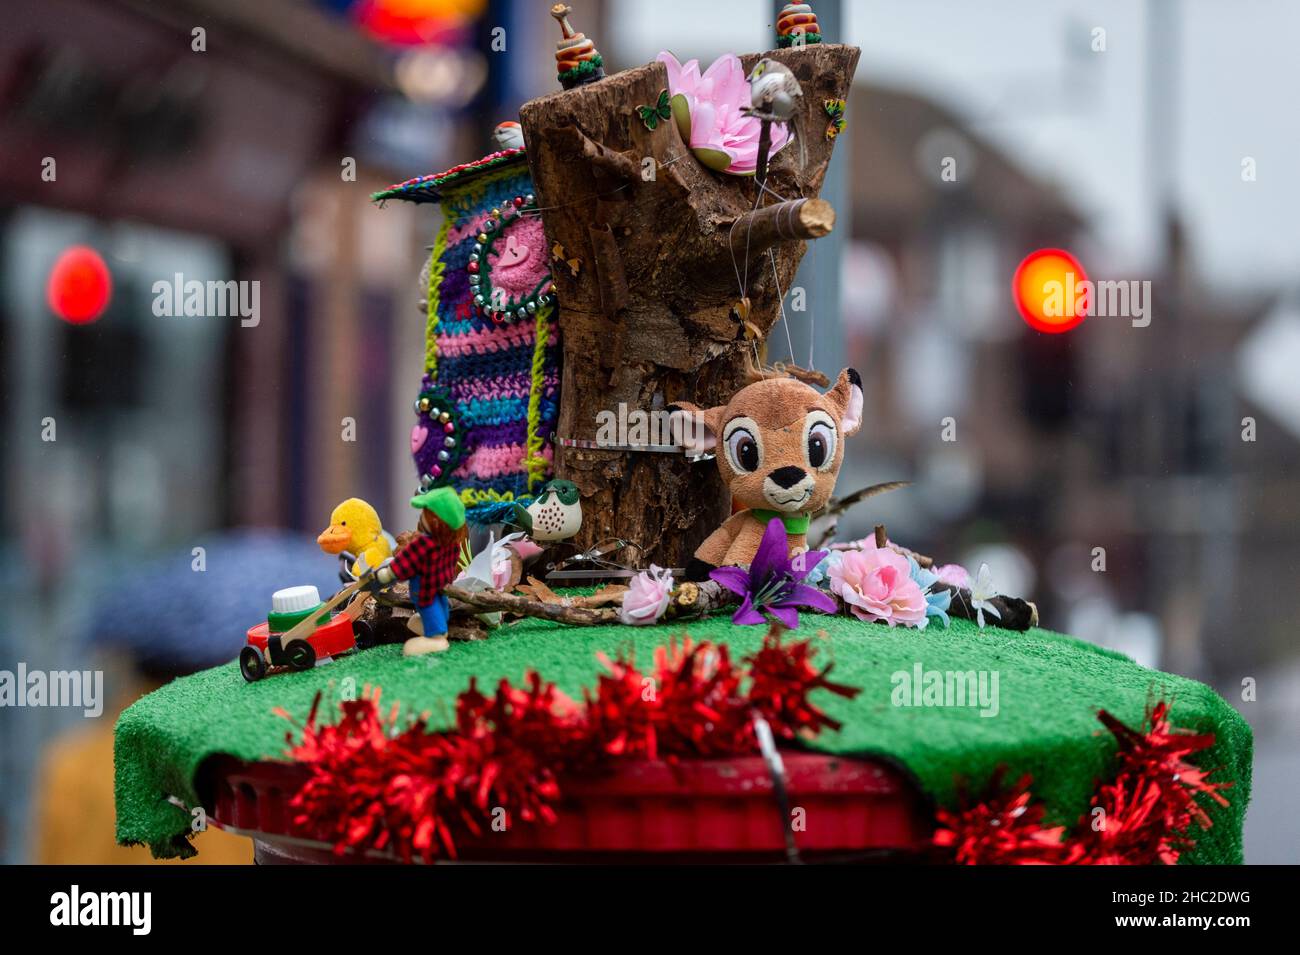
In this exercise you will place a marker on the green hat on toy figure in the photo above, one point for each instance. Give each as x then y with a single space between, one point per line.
445 504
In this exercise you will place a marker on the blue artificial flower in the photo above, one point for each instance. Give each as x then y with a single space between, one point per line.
822 571
937 602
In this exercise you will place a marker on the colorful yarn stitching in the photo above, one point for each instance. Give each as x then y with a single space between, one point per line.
429 188
436 269
536 464
503 376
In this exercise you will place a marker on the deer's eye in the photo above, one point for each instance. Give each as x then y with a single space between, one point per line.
744 447
819 440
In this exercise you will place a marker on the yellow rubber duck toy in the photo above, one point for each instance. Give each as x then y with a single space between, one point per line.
355 528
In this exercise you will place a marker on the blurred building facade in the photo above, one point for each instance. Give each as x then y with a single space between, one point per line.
223 141
1134 440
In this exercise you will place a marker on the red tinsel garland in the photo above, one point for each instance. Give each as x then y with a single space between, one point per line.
1004 827
375 787
1141 817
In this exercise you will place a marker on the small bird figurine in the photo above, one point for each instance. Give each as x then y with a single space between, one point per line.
556 515
774 94
509 135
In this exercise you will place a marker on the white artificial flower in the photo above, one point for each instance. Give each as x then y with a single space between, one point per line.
981 592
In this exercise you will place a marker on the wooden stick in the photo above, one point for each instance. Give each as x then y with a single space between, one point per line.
698 599
764 147
840 505
837 507
756 231
921 559
491 600
1017 613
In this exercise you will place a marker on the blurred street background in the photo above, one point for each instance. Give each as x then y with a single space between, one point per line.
1153 140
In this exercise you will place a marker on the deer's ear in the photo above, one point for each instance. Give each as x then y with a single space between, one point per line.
847 397
695 428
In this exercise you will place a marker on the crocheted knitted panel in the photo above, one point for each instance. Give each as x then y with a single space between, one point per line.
502 376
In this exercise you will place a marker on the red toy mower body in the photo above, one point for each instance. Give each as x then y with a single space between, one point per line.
265 652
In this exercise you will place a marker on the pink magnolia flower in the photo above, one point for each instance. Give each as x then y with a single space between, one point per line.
876 584
647 596
707 109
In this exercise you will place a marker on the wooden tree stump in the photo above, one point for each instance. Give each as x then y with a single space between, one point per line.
648 318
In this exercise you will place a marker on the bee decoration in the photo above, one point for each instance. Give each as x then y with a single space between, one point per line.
660 112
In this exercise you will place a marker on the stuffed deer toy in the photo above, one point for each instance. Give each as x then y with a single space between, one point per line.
779 444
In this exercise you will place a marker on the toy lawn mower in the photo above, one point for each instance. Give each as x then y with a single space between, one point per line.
300 631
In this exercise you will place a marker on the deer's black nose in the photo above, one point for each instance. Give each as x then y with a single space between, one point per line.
788 476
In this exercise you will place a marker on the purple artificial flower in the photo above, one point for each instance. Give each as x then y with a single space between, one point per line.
774 582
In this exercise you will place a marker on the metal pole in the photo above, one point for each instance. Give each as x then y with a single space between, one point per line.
817 331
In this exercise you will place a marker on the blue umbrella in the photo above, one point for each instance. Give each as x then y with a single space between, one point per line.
175 618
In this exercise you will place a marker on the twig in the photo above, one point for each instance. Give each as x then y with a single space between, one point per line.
840 505
764 148
697 599
752 233
491 600
605 596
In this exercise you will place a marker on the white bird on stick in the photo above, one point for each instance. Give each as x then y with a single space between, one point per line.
775 96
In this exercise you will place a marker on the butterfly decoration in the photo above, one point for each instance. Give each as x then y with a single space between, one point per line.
652 116
558 254
740 311
835 110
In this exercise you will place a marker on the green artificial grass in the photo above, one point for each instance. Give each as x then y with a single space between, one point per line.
1050 689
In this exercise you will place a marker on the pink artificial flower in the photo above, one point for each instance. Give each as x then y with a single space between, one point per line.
505 572
707 109
503 577
647 596
955 575
876 584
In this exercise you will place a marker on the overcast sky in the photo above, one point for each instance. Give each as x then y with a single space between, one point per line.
1022 72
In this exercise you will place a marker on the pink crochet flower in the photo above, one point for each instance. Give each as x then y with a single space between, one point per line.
707 109
647 596
876 584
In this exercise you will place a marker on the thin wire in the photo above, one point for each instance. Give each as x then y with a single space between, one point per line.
780 298
812 314
538 210
744 282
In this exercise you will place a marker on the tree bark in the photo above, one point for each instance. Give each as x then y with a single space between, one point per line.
648 321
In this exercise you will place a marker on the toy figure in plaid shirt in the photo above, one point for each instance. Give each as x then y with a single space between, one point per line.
429 563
